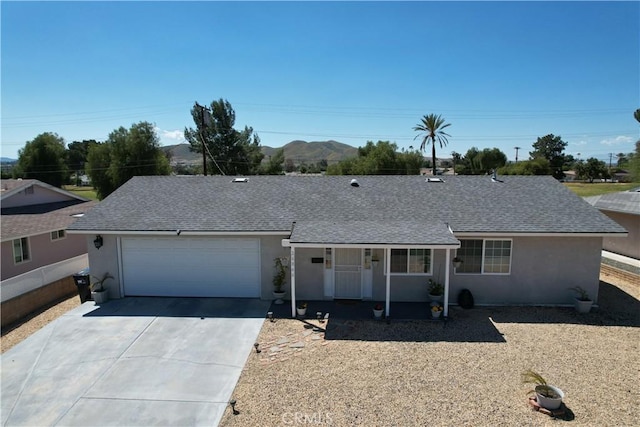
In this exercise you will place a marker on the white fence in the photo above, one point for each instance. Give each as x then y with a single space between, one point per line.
34 279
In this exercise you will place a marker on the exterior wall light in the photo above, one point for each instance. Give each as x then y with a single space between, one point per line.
98 242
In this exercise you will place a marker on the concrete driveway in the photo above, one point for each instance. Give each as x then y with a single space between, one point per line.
134 362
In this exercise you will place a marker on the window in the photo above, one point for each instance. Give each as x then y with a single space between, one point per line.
411 261
21 250
57 235
484 256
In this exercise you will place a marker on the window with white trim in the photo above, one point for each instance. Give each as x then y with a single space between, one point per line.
57 235
21 250
484 256
410 261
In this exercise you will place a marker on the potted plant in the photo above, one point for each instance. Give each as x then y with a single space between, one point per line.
302 309
98 292
436 291
375 260
548 396
457 262
377 311
582 302
279 279
436 311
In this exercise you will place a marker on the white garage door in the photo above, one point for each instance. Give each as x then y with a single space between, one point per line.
191 267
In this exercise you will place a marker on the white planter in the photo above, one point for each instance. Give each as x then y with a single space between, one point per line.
549 402
301 311
100 297
436 314
436 298
278 296
583 306
457 264
378 313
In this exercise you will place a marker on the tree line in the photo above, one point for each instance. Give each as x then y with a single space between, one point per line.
228 151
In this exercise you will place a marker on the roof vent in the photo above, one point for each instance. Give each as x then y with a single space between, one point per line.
240 180
354 183
434 180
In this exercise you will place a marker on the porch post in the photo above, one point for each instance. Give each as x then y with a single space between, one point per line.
446 283
292 263
387 255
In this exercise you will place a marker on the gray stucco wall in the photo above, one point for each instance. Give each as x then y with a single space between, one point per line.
627 246
542 270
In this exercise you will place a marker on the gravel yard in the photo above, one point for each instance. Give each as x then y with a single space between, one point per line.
464 373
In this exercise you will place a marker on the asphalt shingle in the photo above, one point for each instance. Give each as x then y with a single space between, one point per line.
518 204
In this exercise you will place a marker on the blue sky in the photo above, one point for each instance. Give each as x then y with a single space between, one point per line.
501 73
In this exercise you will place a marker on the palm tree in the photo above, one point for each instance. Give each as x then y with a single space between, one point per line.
432 126
636 115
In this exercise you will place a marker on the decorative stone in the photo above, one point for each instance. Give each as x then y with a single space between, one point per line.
298 344
275 349
283 340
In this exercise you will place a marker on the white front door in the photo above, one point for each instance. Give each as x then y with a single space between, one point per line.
348 273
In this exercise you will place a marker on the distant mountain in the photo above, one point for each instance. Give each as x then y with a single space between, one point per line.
298 151
7 160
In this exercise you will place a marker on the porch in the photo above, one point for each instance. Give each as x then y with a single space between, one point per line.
356 310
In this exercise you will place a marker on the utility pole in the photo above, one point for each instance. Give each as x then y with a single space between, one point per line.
204 152
517 148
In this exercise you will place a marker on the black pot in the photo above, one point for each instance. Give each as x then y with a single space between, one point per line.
465 299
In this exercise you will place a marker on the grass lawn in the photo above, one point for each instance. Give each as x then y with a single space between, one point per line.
586 189
88 192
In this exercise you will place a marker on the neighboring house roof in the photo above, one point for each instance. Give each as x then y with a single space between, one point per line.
9 187
32 220
623 201
403 208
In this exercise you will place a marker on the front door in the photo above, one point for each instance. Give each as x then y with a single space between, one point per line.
348 273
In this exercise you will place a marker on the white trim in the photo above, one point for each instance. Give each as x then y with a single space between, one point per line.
493 234
447 270
387 295
407 273
287 242
182 233
292 265
482 272
58 233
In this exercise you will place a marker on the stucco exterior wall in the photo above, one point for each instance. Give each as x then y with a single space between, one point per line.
40 195
627 246
542 270
309 276
270 249
43 251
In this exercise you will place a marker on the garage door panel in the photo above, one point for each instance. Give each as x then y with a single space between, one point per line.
194 267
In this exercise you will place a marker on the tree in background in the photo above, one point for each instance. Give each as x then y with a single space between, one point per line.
43 159
229 151
551 147
77 153
476 162
538 166
381 158
432 127
126 153
592 169
274 166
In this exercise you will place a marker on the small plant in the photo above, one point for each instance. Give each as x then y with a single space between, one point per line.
436 308
541 386
435 288
456 259
377 307
97 285
280 276
302 305
582 294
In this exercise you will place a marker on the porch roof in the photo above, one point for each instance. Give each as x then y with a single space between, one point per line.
373 233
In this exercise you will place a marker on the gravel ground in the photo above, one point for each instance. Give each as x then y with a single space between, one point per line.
38 321
462 373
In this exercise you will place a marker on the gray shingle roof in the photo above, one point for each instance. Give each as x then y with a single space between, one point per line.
38 219
624 201
372 233
532 204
